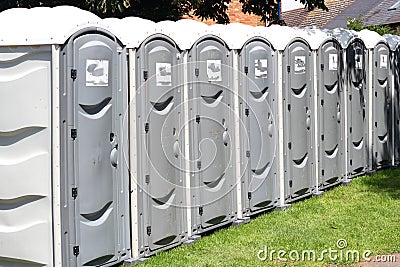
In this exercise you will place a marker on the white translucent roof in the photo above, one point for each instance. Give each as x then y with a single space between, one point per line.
184 32
278 36
43 25
131 31
343 36
314 36
235 34
392 40
370 38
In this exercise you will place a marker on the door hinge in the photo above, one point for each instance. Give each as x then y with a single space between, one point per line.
288 107
73 74
196 72
147 178
75 249
201 211
249 195
290 183
246 112
148 230
146 127
198 118
322 67
74 133
145 74
74 192
199 165
288 68
248 153
246 70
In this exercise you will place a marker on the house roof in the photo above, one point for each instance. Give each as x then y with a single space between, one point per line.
381 15
357 8
373 12
317 17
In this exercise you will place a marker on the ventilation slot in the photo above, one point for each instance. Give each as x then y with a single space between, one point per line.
97 215
216 220
298 92
162 105
258 95
213 184
330 88
382 82
212 99
165 241
260 171
263 204
94 109
99 261
301 162
382 138
14 203
164 200
10 138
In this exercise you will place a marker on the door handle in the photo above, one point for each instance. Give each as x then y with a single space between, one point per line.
176 149
114 157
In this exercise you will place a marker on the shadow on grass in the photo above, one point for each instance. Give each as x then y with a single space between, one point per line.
384 182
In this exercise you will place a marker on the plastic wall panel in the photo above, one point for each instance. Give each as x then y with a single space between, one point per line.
382 109
212 135
259 134
25 157
160 109
357 64
95 220
331 115
396 102
298 125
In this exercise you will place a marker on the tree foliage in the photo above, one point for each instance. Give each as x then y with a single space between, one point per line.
357 24
157 10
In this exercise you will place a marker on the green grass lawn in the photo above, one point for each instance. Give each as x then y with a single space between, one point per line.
366 213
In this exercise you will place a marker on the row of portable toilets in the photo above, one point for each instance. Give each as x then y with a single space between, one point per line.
120 138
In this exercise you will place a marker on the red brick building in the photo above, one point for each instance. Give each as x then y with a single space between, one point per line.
236 15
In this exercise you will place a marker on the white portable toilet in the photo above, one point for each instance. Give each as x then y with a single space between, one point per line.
329 106
295 113
255 97
379 101
355 67
394 44
158 132
63 181
212 132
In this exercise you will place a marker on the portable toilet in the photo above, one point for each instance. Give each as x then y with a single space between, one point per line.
329 115
379 100
157 133
356 123
394 42
62 177
295 107
212 132
257 108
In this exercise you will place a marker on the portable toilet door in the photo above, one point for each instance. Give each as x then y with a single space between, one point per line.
298 117
381 108
211 119
331 115
257 91
393 42
95 173
159 121
357 120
